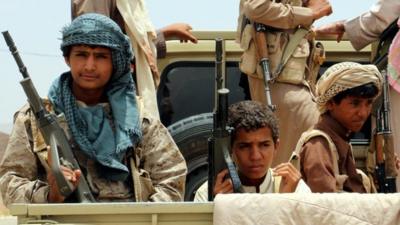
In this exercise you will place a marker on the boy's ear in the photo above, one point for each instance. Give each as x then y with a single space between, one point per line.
277 142
329 105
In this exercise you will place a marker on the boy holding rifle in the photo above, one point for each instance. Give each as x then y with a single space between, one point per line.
254 144
123 153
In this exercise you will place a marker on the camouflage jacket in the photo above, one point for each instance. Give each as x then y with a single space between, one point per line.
157 167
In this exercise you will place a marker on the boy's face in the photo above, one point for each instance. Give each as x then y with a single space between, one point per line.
351 112
91 67
253 152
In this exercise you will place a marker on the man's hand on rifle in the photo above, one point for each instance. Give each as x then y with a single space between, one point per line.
70 175
319 8
222 185
290 177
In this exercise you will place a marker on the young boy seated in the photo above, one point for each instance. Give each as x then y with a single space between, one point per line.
124 154
255 141
345 93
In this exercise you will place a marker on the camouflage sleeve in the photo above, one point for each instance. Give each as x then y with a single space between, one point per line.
164 162
19 182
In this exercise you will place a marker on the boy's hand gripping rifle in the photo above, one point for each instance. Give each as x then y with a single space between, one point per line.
220 142
52 132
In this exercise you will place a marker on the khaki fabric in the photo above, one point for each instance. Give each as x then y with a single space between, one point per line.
366 28
160 166
296 111
105 7
306 209
280 15
284 18
142 34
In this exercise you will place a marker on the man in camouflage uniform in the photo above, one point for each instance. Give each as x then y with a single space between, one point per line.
290 92
124 153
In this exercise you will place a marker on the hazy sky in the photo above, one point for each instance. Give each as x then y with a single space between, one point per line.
37 36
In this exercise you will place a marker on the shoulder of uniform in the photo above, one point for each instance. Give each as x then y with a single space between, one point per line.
314 133
308 137
27 108
314 136
322 139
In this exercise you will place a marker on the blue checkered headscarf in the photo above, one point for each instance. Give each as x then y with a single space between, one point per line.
89 126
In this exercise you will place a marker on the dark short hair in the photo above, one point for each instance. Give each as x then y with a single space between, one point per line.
252 115
368 90
67 49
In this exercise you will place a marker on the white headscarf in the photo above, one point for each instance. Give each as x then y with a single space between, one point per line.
343 76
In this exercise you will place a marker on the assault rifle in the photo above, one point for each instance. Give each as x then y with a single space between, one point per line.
262 50
219 143
385 169
52 132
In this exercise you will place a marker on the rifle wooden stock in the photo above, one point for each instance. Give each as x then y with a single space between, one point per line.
385 172
385 176
261 44
379 143
388 150
262 51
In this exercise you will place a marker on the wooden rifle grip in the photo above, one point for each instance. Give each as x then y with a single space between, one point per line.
261 45
379 144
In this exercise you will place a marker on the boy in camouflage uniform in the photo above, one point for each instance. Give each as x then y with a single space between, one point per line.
124 154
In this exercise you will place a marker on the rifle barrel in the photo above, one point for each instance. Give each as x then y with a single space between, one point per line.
13 49
52 132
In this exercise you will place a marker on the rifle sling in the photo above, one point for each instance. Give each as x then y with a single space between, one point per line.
290 47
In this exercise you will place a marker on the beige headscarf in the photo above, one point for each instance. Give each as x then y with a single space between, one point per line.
343 76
